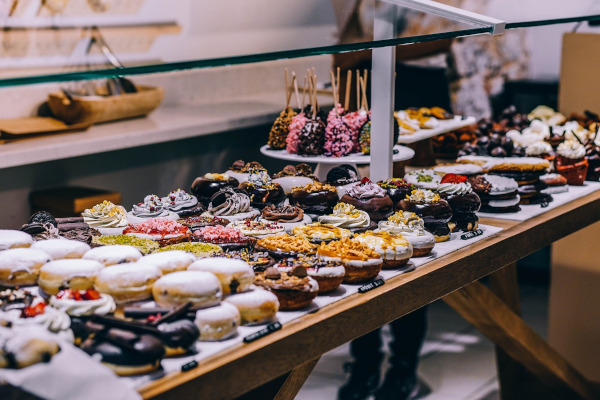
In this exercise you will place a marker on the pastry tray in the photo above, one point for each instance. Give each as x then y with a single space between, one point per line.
445 125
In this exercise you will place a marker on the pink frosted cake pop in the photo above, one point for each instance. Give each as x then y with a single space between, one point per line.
338 138
355 120
293 137
335 112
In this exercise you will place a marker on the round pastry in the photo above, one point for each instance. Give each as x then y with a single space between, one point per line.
182 203
200 221
291 177
531 190
21 347
206 186
113 254
458 169
360 261
218 322
498 194
258 260
282 246
371 198
457 191
80 303
125 352
162 230
21 266
435 212
108 218
262 190
145 246
412 228
423 179
77 274
556 183
231 204
235 275
62 248
396 188
226 237
169 261
257 229
294 290
257 306
151 207
315 198
343 178
128 282
347 216
328 274
42 230
10 239
38 314
241 170
287 216
312 137
197 249
178 336
280 129
394 249
317 232
200 288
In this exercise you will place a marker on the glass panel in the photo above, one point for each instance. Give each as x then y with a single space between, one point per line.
44 41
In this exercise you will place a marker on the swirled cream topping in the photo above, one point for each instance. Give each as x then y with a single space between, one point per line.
571 149
423 196
52 319
78 308
179 199
405 223
152 207
538 148
366 190
235 203
346 216
105 215
455 188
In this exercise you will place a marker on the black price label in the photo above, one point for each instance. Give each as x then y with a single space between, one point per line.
191 365
544 204
472 234
371 286
275 326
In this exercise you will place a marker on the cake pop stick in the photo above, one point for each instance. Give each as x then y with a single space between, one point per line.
304 93
348 87
295 84
315 92
334 93
287 88
358 97
364 92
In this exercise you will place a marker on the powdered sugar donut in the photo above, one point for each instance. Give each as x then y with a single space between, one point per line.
21 266
62 248
113 254
10 239
169 261
257 306
71 273
235 276
202 289
128 282
218 322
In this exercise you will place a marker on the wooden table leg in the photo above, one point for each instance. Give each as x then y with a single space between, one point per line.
516 382
492 317
284 387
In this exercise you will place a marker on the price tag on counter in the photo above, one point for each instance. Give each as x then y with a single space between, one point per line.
275 326
472 234
371 286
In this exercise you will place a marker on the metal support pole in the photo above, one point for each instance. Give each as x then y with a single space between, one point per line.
382 95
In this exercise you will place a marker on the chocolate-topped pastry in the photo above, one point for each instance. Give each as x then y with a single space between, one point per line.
312 137
531 190
328 274
498 194
205 186
240 169
294 289
435 212
287 213
457 191
301 169
200 221
262 190
182 203
259 260
342 175
232 204
396 188
315 198
592 155
237 166
370 197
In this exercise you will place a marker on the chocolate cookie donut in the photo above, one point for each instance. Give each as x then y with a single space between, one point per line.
315 198
205 186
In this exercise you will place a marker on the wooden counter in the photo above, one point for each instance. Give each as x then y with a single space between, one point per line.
292 352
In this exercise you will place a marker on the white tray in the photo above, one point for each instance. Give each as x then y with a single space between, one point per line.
445 125
404 153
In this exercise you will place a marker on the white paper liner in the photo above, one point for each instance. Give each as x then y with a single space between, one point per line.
533 210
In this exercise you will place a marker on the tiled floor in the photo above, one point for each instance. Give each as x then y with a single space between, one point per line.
457 362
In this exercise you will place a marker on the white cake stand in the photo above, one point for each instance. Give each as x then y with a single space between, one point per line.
324 164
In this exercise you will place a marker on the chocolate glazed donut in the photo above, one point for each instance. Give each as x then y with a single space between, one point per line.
378 208
204 188
260 197
463 203
320 203
431 213
398 194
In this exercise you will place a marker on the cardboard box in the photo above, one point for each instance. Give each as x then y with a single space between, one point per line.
70 201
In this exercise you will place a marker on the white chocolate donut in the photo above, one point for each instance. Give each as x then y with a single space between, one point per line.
62 248
394 249
169 261
218 322
73 274
202 289
257 306
79 308
113 254
21 266
54 320
127 282
235 275
10 239
21 347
